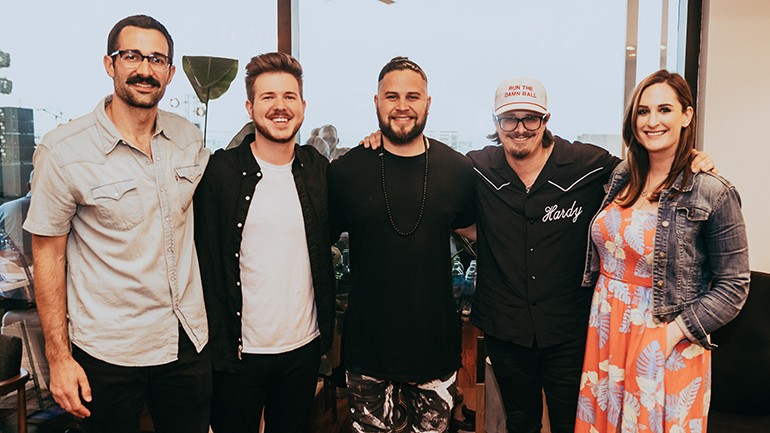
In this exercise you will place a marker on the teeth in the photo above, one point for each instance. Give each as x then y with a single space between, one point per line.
655 133
280 119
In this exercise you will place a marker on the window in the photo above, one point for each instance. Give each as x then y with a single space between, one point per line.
577 49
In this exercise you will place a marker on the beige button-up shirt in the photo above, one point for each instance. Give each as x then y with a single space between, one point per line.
133 279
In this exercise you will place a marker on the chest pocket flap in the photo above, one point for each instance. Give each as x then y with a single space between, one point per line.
118 204
114 191
190 172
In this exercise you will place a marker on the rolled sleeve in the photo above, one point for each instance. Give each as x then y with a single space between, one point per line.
52 206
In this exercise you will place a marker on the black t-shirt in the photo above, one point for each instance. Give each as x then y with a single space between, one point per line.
532 246
401 323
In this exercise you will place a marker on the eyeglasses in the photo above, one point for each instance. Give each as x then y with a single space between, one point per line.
134 58
510 123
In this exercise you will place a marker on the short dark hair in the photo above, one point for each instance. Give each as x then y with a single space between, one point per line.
401 64
271 62
143 22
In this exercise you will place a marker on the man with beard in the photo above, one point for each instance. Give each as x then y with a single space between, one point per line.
537 194
261 227
399 204
116 274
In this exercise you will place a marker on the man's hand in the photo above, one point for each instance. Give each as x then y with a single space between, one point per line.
702 162
373 140
68 384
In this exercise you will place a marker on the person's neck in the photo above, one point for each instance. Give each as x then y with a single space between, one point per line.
272 152
660 167
413 148
136 125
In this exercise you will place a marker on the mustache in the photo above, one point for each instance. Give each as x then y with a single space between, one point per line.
136 79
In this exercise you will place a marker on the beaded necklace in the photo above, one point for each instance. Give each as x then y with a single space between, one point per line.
385 192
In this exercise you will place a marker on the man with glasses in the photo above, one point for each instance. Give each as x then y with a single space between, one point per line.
537 194
117 280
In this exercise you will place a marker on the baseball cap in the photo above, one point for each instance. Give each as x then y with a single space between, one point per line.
521 94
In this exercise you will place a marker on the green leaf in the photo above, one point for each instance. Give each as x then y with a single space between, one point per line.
209 76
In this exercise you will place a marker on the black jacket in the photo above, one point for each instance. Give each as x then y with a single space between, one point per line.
220 205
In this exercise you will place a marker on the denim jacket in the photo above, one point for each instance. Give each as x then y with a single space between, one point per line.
700 274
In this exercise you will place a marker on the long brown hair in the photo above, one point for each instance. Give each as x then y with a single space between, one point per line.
638 158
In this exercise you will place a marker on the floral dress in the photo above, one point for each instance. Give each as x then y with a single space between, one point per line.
627 385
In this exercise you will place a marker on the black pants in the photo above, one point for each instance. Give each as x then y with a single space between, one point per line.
178 394
523 373
283 384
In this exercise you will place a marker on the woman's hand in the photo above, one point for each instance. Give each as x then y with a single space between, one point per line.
673 336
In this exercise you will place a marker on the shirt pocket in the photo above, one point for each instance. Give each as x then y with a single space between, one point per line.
187 178
118 205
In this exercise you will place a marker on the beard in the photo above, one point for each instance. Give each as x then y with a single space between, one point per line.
519 150
265 132
124 92
404 137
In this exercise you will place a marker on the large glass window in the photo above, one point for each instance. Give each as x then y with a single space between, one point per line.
578 49
56 51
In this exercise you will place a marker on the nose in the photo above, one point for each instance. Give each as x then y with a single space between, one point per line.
520 127
144 68
401 105
652 119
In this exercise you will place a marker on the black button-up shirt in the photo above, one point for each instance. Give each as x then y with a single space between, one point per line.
221 204
531 245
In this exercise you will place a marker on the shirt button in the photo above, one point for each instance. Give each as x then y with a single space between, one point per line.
238 283
238 313
236 255
248 198
240 225
664 223
157 158
533 277
244 173
259 174
659 283
531 221
116 194
531 250
662 255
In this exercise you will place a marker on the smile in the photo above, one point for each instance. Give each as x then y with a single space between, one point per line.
654 133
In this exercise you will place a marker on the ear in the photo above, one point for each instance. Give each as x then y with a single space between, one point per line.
427 105
109 66
376 100
688 113
171 71
248 109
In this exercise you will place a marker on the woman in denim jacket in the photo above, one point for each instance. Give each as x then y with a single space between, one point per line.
669 260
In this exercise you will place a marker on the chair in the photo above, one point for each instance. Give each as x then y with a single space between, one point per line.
740 376
13 377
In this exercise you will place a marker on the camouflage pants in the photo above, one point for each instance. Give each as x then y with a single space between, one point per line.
385 406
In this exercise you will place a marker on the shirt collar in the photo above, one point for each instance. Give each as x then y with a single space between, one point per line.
110 133
248 163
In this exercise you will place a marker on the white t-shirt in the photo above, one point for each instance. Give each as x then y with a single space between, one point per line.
279 311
